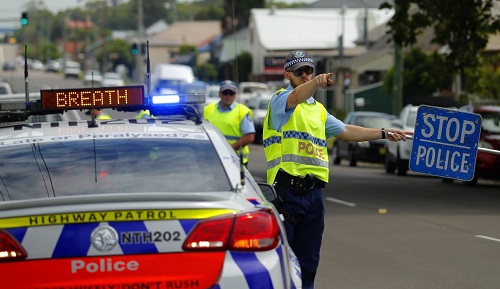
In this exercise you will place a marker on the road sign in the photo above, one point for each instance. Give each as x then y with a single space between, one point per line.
445 143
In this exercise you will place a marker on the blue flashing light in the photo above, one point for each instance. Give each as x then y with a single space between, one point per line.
175 98
165 99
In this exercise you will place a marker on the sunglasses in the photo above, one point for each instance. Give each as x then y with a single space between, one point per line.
307 69
228 92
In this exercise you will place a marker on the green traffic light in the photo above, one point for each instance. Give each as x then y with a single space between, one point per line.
134 49
24 19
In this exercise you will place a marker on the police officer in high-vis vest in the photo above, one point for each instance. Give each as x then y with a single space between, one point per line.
295 132
98 114
233 119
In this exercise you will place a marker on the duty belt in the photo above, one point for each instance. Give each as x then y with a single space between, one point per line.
300 184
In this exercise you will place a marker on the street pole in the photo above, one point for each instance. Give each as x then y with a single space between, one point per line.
140 57
397 77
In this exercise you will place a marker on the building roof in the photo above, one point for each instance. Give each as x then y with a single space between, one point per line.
285 29
347 3
187 32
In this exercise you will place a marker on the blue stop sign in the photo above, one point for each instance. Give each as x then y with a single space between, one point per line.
445 143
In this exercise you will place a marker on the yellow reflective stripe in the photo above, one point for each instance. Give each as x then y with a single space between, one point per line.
111 216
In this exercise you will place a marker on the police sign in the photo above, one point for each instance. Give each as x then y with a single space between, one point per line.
445 143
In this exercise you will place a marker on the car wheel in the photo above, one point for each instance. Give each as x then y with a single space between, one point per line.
400 166
390 167
352 158
336 155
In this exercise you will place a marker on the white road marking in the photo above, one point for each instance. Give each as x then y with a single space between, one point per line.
487 238
340 202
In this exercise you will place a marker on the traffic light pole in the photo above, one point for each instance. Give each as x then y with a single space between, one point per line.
140 57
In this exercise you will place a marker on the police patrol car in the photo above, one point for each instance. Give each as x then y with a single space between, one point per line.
132 203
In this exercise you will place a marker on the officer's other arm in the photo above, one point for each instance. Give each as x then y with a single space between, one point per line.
302 92
243 141
358 133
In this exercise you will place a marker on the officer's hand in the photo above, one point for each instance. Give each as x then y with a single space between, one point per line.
323 80
393 134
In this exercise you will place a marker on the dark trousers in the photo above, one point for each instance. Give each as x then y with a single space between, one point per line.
304 224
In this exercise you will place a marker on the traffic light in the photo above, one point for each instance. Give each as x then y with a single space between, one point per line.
134 49
24 18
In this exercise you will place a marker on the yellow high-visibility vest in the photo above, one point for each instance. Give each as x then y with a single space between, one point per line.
229 123
300 147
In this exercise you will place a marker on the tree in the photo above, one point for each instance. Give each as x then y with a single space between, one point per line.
237 16
206 72
118 52
463 25
424 74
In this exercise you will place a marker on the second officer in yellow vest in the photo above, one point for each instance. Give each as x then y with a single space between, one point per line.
233 119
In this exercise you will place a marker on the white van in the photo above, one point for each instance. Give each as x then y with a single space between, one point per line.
169 78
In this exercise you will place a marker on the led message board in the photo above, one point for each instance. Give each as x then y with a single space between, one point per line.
85 98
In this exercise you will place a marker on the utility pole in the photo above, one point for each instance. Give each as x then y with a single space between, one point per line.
397 76
140 57
103 35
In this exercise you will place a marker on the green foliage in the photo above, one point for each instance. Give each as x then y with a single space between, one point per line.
206 72
187 49
241 13
244 61
423 74
463 25
120 50
485 82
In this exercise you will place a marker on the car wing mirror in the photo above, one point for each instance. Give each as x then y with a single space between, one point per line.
269 192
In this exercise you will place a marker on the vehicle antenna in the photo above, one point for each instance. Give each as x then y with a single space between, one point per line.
148 70
236 77
92 121
26 79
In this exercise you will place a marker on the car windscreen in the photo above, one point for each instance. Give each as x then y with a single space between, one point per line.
490 122
373 121
45 170
412 118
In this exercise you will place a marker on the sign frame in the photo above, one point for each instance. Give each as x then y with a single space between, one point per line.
445 142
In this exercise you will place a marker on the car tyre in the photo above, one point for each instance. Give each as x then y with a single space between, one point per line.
352 158
401 166
390 167
336 155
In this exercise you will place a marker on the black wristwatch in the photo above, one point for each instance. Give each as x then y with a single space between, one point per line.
383 132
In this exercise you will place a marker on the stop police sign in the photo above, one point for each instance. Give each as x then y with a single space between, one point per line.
445 143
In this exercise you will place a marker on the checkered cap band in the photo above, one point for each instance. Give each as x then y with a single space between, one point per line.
298 60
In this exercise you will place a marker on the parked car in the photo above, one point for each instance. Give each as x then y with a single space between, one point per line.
94 76
398 153
53 66
367 151
72 69
37 65
487 164
5 88
259 107
112 79
212 94
9 66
